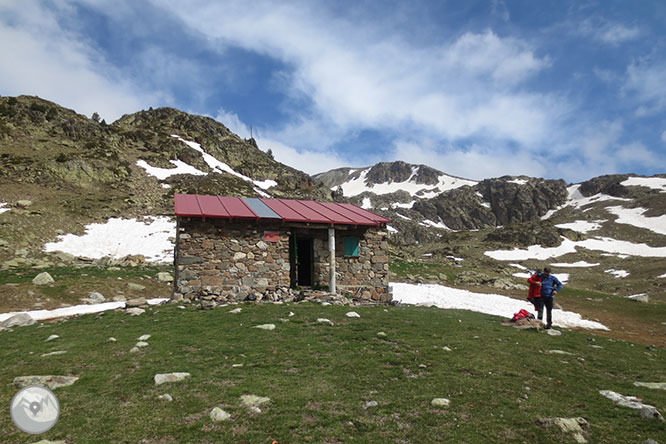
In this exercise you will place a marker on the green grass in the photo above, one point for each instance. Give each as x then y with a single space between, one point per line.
320 377
400 269
22 275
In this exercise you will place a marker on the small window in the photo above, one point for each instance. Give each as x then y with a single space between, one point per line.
351 246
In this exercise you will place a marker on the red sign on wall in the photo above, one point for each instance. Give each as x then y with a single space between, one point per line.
271 236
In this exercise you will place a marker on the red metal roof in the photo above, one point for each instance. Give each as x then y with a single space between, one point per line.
194 205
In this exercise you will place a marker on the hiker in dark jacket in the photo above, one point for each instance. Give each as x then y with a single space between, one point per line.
550 285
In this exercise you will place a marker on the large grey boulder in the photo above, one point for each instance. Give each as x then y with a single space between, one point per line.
18 320
219 415
632 402
575 426
43 278
164 276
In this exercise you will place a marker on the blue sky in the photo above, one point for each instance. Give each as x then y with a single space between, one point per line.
477 89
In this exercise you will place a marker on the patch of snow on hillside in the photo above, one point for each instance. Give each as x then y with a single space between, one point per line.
517 181
563 277
605 244
219 166
522 275
582 226
163 173
391 229
656 183
617 273
403 205
40 315
429 223
579 264
367 203
492 304
634 216
663 276
121 237
354 187
2 209
404 217
577 200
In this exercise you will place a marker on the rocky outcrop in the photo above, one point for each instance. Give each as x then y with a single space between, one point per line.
609 184
459 209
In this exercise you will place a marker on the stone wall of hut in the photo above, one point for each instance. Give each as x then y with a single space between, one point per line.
224 261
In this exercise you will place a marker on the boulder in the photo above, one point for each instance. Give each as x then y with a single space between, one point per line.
370 404
51 338
575 426
652 385
440 402
352 314
135 302
24 203
135 311
51 381
143 337
632 402
135 287
166 397
325 321
95 296
43 278
18 320
254 401
164 276
163 378
219 415
265 326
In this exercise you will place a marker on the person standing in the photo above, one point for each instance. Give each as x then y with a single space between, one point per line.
550 285
534 295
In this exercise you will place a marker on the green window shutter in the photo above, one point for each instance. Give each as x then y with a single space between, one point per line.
351 246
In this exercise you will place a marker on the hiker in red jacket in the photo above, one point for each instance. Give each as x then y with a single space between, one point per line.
534 296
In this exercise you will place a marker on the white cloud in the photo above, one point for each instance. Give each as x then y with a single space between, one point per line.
311 162
663 136
609 32
46 60
645 83
231 121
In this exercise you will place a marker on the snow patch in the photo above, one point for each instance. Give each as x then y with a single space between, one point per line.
163 173
367 203
517 181
567 246
121 237
634 216
391 229
40 315
2 209
439 224
579 264
582 226
617 273
403 205
656 183
492 304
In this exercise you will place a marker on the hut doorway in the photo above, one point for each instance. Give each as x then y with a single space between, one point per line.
301 260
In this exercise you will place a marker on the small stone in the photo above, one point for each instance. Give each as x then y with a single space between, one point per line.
558 352
51 381
254 400
652 385
135 287
18 320
440 402
112 339
141 344
291 313
553 332
208 305
447 349
164 276
265 326
575 426
24 203
135 302
381 334
134 350
235 310
219 415
119 299
135 311
51 338
43 278
166 397
370 404
325 321
143 337
163 378
95 296
352 314
642 297
54 353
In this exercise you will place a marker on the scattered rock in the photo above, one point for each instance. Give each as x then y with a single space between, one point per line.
325 321
235 310
265 326
43 278
208 305
24 203
54 353
166 397
51 338
135 311
18 320
163 378
95 296
370 404
135 302
381 334
219 415
558 352
135 287
112 339
164 276
632 402
143 337
447 349
553 332
141 344
253 402
575 426
440 402
119 299
352 314
642 297
51 381
652 385
134 350
291 313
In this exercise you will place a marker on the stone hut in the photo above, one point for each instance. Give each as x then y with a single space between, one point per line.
234 249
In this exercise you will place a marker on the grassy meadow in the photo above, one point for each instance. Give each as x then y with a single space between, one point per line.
499 380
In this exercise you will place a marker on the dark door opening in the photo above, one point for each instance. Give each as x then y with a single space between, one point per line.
302 262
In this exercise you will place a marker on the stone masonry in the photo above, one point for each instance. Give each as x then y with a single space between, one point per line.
226 261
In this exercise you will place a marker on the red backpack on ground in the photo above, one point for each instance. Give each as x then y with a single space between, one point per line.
521 315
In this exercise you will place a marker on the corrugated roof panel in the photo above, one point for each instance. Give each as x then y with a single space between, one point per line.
310 214
365 213
212 207
285 212
237 208
330 212
262 210
357 219
187 205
